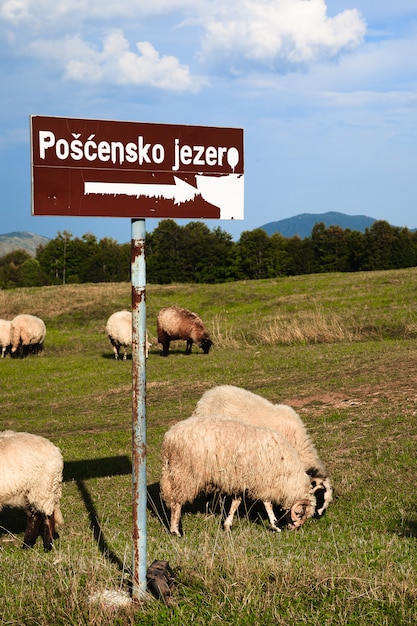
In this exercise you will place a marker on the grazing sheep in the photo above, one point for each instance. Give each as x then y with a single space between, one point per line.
248 407
27 334
174 323
31 478
4 336
119 330
219 454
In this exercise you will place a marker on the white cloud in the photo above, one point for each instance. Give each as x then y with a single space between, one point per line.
294 31
241 36
15 11
115 63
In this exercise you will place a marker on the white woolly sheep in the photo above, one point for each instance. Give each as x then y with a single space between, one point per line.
219 454
27 334
4 336
119 331
31 478
246 406
174 323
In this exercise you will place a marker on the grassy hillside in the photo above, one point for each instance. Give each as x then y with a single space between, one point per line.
340 348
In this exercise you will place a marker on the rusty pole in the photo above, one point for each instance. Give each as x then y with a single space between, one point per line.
139 487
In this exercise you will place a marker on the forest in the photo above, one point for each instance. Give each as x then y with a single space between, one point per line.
194 253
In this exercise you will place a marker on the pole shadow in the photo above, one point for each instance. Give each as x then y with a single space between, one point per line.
79 472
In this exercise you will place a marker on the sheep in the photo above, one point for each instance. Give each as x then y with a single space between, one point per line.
27 334
119 331
4 336
31 478
174 322
220 454
246 406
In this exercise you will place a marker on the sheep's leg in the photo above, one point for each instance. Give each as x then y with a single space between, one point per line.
115 349
189 346
165 345
175 519
271 515
32 529
233 508
48 531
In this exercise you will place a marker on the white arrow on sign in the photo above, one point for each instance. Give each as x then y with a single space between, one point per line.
224 192
180 191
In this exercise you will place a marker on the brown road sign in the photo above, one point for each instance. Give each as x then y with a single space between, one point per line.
131 169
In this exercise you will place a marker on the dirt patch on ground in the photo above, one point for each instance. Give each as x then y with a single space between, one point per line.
403 396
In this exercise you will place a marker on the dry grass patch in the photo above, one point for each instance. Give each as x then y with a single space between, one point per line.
50 302
307 327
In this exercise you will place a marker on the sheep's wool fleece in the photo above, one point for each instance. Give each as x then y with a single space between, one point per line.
30 473
218 453
246 406
119 327
28 329
180 323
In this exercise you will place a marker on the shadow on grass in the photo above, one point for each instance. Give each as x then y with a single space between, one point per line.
213 504
405 526
12 522
80 471
109 356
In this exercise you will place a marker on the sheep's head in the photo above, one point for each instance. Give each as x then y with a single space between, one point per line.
299 513
205 345
322 490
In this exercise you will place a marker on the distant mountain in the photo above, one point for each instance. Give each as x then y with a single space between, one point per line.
303 224
21 240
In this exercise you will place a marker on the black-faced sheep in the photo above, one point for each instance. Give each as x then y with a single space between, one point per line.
246 406
119 331
4 336
27 334
174 323
219 454
31 478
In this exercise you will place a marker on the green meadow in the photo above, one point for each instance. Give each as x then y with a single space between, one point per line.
340 348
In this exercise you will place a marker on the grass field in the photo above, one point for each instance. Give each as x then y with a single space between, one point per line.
340 348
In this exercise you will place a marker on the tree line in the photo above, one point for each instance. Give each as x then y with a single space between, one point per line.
195 254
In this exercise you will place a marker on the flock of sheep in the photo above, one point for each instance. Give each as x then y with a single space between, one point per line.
234 443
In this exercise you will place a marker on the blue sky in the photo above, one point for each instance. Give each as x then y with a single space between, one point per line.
326 95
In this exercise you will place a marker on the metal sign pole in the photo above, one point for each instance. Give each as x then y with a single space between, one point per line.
139 486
